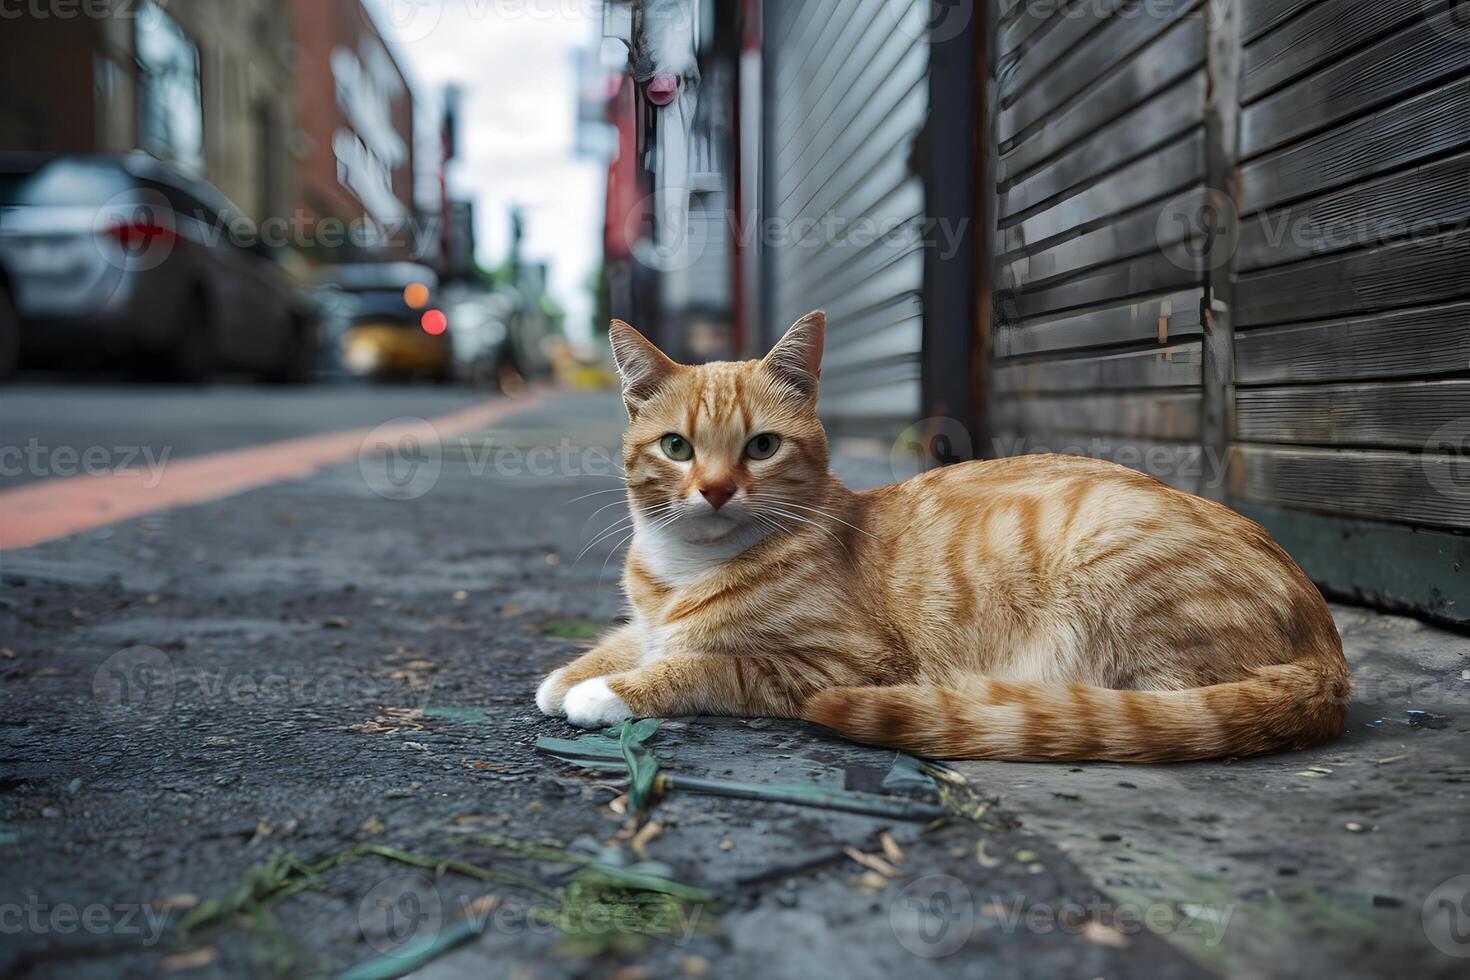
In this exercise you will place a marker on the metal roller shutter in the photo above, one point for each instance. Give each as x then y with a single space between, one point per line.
846 96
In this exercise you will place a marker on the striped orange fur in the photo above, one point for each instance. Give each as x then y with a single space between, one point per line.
1041 607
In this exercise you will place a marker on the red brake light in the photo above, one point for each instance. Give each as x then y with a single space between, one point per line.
139 235
434 322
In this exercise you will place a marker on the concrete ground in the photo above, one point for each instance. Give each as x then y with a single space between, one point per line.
341 667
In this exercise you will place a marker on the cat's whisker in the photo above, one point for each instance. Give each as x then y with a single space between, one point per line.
604 507
806 520
758 495
568 503
614 529
623 524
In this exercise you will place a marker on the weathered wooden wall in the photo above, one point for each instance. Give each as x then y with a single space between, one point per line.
1100 130
1240 230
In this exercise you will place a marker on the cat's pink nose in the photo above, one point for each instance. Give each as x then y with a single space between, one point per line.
718 494
662 88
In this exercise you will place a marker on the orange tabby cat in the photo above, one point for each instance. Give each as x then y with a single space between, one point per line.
1041 607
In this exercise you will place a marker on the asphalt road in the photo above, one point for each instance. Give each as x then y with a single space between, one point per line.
337 670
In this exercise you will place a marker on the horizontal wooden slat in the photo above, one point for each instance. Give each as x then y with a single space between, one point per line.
1183 466
1425 200
1416 57
1384 565
1424 126
1135 322
1426 416
1158 121
1170 268
1176 366
1259 16
1101 52
1151 415
1021 21
1406 488
1422 272
1048 49
1177 53
1139 232
1406 343
1321 34
1166 171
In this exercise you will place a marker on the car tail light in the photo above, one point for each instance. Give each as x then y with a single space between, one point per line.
138 236
434 322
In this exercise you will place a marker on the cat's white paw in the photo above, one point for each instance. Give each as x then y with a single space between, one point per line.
551 695
592 704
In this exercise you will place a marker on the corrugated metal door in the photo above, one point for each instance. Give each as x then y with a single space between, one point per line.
1232 249
843 222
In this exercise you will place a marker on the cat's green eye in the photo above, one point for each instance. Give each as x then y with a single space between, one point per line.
677 448
763 446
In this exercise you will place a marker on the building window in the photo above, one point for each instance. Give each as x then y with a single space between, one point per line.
170 106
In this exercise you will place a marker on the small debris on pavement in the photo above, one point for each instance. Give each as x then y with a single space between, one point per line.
727 845
872 862
336 623
192 960
1103 935
645 834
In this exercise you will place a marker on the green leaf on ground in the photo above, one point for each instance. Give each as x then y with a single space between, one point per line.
572 629
457 714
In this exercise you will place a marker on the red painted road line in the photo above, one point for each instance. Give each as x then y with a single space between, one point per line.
51 509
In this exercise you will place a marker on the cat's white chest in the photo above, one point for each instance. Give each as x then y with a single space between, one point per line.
678 563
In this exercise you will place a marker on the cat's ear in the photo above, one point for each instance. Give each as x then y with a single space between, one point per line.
642 366
797 359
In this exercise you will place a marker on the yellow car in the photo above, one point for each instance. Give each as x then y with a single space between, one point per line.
394 328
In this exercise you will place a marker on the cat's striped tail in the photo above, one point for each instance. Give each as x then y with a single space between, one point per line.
1287 706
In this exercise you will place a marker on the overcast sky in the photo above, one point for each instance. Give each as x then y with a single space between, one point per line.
513 60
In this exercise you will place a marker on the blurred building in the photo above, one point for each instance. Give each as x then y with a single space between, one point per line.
207 85
356 113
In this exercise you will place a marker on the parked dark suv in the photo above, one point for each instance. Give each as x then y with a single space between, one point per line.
132 258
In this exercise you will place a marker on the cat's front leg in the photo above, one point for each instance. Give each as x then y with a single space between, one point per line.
683 685
619 651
